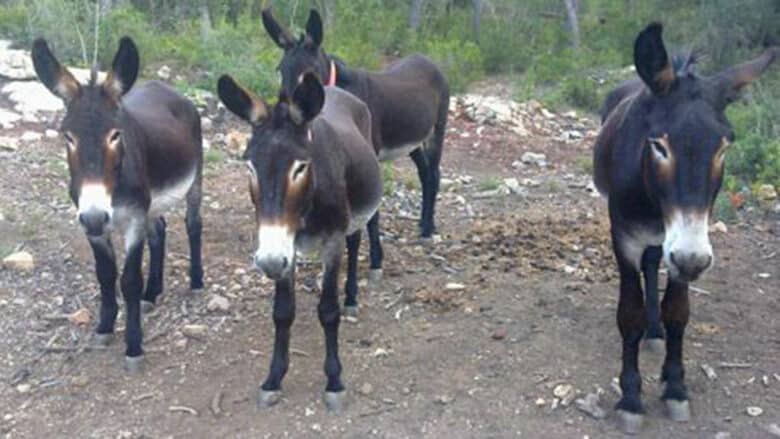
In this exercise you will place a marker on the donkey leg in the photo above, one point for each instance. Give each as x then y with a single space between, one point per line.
423 170
376 254
105 267
651 260
675 312
632 321
132 289
155 234
433 152
284 315
194 227
330 317
351 285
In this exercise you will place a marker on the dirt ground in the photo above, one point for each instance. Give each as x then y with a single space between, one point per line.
469 337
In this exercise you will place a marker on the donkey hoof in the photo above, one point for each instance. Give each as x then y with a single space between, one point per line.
629 423
146 307
335 401
268 398
134 365
375 276
679 411
655 345
196 291
351 311
103 340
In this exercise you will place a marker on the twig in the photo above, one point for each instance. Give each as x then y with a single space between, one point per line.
726 365
216 403
183 409
376 412
700 290
397 299
143 396
299 352
58 349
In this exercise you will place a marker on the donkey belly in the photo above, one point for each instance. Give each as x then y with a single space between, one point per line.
359 217
164 198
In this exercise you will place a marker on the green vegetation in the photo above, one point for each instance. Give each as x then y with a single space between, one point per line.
531 41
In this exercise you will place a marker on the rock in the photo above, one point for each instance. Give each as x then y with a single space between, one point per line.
195 331
565 392
9 143
80 381
366 389
80 317
8 119
180 344
590 405
722 435
206 123
754 411
22 261
24 388
454 286
499 334
538 159
513 185
51 134
720 227
236 141
766 192
164 73
540 402
773 429
31 136
218 303
444 399
709 371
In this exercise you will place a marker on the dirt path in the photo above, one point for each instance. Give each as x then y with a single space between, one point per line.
469 337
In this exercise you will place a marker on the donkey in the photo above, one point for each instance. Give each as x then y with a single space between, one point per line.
132 154
659 158
409 101
314 180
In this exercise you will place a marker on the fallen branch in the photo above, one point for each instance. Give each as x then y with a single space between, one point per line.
700 290
183 409
299 352
725 365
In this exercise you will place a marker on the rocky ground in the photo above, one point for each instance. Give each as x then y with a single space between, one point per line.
504 326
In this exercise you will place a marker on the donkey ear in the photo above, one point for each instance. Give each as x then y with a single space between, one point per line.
732 80
314 27
308 99
281 36
52 74
240 101
651 60
124 68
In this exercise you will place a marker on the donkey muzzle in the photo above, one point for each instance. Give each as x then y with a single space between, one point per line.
94 221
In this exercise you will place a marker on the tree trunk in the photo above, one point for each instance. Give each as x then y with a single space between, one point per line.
205 19
574 26
414 14
476 18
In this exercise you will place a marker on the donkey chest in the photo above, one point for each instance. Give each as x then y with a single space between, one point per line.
633 243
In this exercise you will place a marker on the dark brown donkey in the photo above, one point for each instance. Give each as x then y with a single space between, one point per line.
409 101
314 181
131 157
659 158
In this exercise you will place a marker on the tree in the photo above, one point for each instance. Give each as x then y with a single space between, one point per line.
572 7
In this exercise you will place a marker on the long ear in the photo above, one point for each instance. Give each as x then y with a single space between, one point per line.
124 68
308 99
52 74
732 80
651 60
314 27
241 102
281 36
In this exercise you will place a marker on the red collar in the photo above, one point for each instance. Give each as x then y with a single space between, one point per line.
332 74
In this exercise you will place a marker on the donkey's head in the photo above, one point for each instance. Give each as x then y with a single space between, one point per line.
281 178
301 56
686 136
91 129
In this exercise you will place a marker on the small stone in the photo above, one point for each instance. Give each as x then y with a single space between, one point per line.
164 73
195 331
9 143
218 303
720 227
80 317
180 344
80 381
766 192
24 388
722 435
22 261
773 429
380 353
534 158
31 136
540 402
206 123
709 371
754 411
308 411
764 275
366 389
51 134
513 185
454 286
444 399
499 334
565 392
590 405
236 141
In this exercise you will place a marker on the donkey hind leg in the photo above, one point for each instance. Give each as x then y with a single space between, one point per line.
632 322
194 227
105 268
351 285
427 159
376 254
651 260
675 312
330 317
155 234
283 315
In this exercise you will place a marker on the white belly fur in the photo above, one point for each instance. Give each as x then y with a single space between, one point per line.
633 245
165 198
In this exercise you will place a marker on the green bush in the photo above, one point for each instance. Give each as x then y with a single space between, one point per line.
461 61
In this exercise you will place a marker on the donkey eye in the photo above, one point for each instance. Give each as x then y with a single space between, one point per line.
299 168
659 148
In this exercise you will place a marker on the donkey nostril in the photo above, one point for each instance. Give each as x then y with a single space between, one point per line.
82 220
105 217
671 257
285 262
